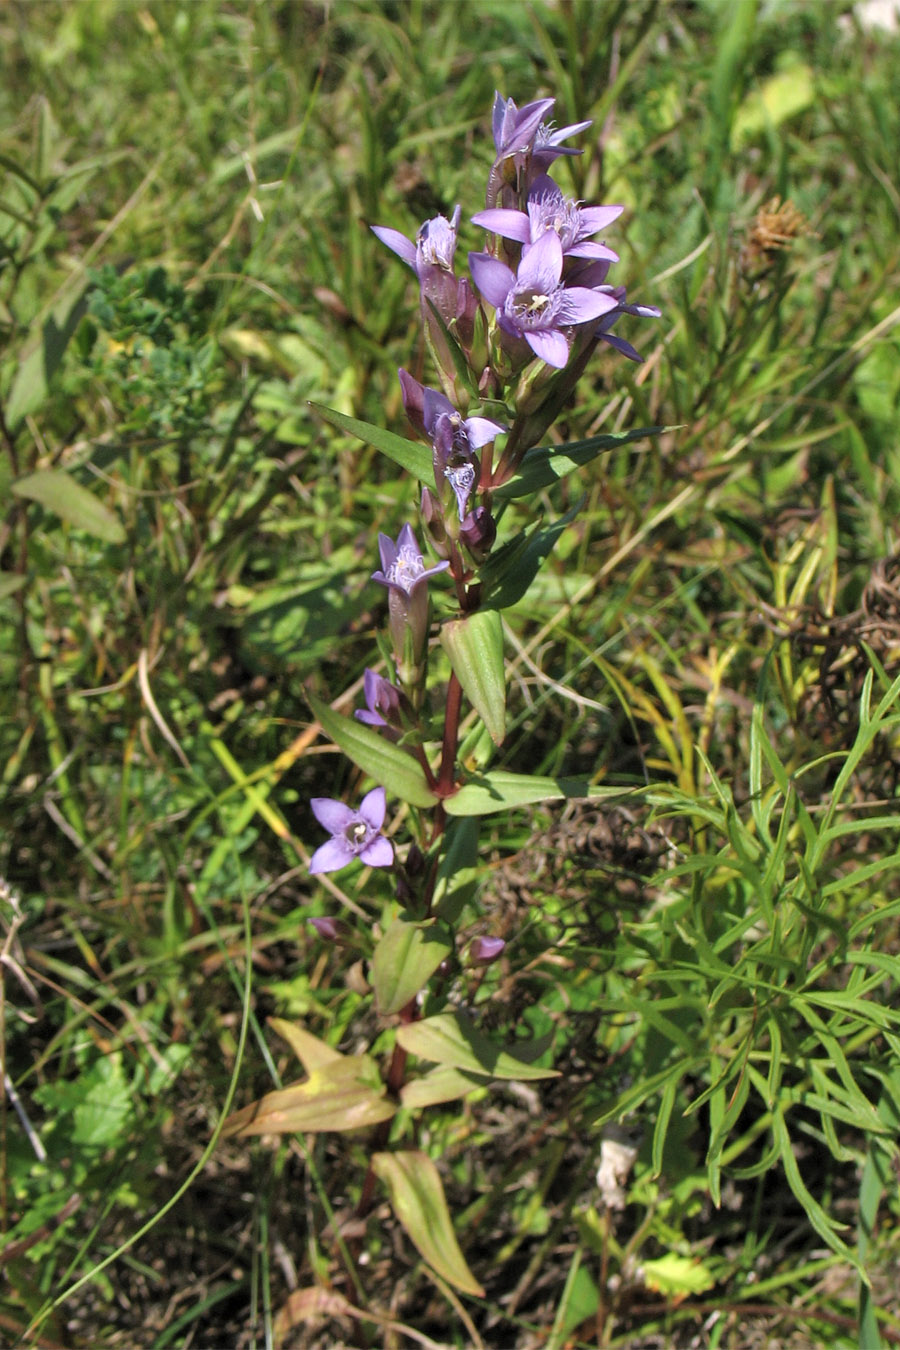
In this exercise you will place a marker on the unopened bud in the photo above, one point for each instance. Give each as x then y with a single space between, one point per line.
478 532
485 950
327 928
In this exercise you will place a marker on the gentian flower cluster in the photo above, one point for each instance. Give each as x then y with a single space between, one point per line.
508 346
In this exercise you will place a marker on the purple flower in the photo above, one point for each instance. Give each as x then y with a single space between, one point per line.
404 573
354 834
402 565
532 303
548 209
434 246
440 290
515 128
454 440
526 145
382 700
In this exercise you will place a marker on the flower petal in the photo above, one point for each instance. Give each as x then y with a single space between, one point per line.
508 224
434 404
588 249
372 808
580 304
595 218
380 853
403 247
492 277
622 346
541 265
550 346
332 815
480 430
331 856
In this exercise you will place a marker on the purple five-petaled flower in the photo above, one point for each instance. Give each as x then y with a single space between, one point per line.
354 834
532 303
404 573
547 210
402 565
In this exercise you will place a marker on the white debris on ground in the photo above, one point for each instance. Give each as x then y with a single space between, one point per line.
617 1155
883 15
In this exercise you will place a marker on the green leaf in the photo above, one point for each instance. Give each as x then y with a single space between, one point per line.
452 1039
403 962
417 1199
415 458
42 356
474 647
822 1222
667 1101
499 790
312 1053
10 582
440 1085
580 1301
678 1276
346 1094
548 464
57 492
458 871
509 571
101 1115
390 766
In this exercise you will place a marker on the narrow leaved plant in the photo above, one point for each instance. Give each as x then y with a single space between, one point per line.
508 347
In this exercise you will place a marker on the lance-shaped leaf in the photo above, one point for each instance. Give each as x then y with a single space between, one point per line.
390 766
43 353
547 464
346 1094
452 1039
417 1199
498 790
509 572
406 957
440 1085
458 872
59 493
474 646
312 1053
415 458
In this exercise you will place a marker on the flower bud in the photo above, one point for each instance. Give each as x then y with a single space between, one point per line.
478 532
413 400
485 950
327 928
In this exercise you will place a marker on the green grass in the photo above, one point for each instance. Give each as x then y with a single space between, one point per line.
185 262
